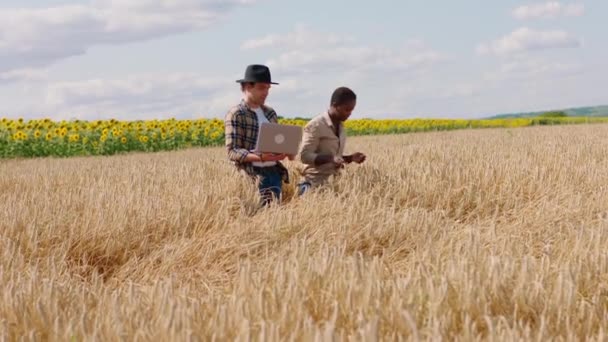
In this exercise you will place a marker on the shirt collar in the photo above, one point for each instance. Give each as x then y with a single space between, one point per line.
246 106
328 120
330 123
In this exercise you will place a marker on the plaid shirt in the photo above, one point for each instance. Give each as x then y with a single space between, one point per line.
241 134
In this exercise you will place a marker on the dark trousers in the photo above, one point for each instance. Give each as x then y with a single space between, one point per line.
269 185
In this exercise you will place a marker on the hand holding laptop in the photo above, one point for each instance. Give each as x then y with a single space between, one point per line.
264 157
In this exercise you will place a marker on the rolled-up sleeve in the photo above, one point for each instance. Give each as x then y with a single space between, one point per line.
235 136
310 143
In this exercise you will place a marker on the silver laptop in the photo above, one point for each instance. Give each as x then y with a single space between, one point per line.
279 138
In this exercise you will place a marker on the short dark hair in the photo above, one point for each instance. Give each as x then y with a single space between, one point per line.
245 84
342 95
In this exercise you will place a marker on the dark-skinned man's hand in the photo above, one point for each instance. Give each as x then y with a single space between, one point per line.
358 157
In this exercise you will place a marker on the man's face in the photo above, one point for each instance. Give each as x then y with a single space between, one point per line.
258 92
345 110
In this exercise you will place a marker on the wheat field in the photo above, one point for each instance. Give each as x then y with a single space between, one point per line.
494 234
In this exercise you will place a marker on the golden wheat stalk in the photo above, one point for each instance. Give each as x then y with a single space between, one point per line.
479 234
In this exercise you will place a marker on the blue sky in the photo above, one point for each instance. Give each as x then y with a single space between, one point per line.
143 59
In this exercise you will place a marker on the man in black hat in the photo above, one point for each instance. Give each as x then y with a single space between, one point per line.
242 124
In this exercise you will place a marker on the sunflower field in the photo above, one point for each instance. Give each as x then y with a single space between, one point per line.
45 137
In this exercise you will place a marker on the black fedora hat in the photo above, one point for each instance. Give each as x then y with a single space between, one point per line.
256 73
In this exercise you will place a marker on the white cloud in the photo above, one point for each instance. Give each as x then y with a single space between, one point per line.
148 96
31 37
22 75
349 59
301 37
531 69
550 9
460 91
135 96
526 40
309 51
322 61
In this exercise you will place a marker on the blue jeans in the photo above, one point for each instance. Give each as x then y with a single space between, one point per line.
303 187
270 185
